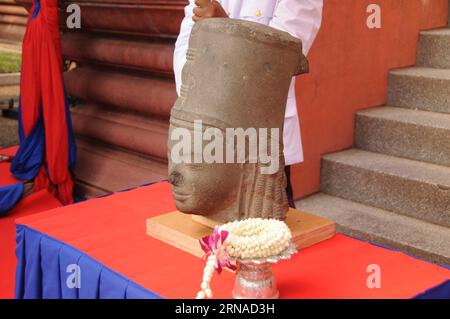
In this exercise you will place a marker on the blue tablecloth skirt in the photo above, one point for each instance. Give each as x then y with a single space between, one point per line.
48 268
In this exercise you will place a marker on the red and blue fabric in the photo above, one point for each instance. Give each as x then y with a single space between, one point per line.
47 149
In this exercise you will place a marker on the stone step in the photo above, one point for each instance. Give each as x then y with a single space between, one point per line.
413 134
420 88
122 91
9 79
149 18
434 49
13 9
410 235
104 169
9 91
9 102
126 130
9 85
12 20
404 186
155 57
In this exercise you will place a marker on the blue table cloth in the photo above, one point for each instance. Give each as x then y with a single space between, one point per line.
48 268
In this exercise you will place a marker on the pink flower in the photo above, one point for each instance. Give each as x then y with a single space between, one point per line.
212 244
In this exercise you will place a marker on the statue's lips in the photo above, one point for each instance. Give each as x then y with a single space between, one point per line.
180 196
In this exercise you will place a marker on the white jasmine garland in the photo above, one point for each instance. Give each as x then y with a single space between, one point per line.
251 238
256 238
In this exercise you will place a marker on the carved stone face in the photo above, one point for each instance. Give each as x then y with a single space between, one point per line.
204 189
237 75
195 184
221 191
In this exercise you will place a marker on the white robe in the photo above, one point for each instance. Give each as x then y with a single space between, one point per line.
301 18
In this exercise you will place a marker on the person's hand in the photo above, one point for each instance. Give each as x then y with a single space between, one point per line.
208 9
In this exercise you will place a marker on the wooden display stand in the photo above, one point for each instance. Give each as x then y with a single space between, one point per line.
183 231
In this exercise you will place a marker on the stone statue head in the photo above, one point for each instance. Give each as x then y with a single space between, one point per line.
226 129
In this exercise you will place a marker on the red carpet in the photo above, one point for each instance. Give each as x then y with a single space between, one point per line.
115 236
34 203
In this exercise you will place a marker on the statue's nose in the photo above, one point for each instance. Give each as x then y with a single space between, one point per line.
175 178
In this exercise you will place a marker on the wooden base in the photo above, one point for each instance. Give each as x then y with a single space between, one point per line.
183 231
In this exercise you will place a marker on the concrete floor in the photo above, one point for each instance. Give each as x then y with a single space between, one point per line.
8 132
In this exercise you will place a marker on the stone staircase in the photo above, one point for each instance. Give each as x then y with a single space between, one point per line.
393 187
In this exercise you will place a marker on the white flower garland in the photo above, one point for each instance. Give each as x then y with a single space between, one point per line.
208 272
245 239
256 238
